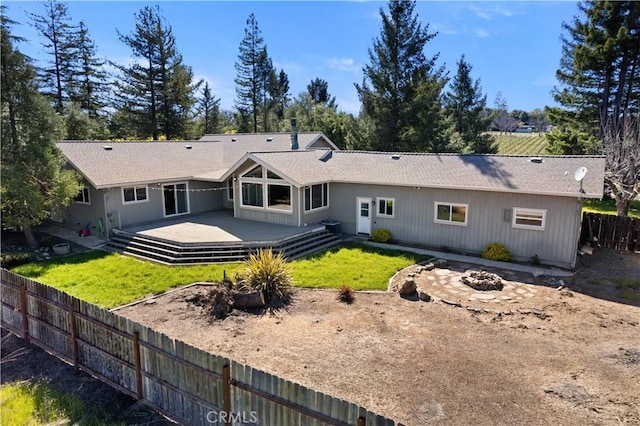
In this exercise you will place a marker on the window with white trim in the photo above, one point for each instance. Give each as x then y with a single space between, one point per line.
260 184
316 197
450 213
134 194
386 207
230 189
83 196
528 218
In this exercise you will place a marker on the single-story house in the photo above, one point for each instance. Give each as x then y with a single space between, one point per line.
460 202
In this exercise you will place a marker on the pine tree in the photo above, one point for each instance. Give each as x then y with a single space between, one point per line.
254 70
401 88
210 110
88 84
34 182
54 25
599 89
318 90
279 93
157 93
464 106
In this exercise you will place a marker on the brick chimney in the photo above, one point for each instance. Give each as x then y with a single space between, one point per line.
294 134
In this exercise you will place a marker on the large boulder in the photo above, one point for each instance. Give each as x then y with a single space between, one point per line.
483 281
407 287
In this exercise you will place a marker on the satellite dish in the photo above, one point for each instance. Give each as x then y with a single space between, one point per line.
580 173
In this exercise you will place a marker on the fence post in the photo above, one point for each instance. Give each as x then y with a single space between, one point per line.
138 364
226 393
73 328
362 421
23 310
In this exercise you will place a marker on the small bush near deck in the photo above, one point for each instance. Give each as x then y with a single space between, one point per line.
381 235
496 251
346 294
269 273
12 259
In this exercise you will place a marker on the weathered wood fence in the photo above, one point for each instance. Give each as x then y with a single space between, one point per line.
184 383
616 232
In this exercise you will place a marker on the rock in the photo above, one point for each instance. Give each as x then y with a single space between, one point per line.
537 273
482 281
424 296
411 275
428 267
253 299
452 303
407 287
440 263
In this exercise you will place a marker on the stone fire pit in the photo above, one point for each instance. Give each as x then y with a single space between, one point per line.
483 281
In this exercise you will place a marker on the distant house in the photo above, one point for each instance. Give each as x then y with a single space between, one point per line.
459 202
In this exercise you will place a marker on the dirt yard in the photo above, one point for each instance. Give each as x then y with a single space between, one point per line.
531 353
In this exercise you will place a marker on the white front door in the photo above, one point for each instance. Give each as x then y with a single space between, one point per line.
364 215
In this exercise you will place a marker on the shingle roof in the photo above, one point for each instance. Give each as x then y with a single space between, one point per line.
140 162
553 175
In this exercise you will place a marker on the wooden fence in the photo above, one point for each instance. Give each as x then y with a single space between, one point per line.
616 232
182 382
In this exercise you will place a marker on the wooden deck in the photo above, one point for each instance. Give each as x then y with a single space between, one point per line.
216 237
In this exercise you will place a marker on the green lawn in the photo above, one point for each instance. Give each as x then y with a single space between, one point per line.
362 267
609 207
111 280
520 143
38 404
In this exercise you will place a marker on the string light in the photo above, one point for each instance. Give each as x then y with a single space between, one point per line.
189 190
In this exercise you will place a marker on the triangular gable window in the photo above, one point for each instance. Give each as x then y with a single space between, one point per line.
271 175
256 172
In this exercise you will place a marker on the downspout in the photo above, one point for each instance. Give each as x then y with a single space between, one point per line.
107 222
300 207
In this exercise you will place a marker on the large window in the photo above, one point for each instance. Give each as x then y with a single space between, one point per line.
134 194
451 214
316 197
83 196
260 184
529 218
279 197
386 207
252 194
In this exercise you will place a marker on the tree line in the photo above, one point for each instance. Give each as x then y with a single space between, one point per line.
156 96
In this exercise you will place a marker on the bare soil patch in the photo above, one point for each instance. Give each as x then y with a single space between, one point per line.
568 356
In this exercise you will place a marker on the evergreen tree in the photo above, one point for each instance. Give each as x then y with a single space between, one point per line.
401 88
54 25
599 89
157 92
210 110
88 80
464 106
318 90
34 182
279 92
253 70
599 72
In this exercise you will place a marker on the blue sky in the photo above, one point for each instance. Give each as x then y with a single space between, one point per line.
514 47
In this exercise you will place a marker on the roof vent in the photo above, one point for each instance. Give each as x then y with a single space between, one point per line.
234 140
395 157
269 139
188 146
537 160
107 147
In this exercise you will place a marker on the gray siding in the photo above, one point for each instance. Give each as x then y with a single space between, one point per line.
269 216
414 220
77 215
124 215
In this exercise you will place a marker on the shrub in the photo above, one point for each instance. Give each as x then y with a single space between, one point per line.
269 273
13 259
381 235
346 294
496 251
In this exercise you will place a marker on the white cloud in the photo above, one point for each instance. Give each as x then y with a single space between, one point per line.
481 33
489 13
343 64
